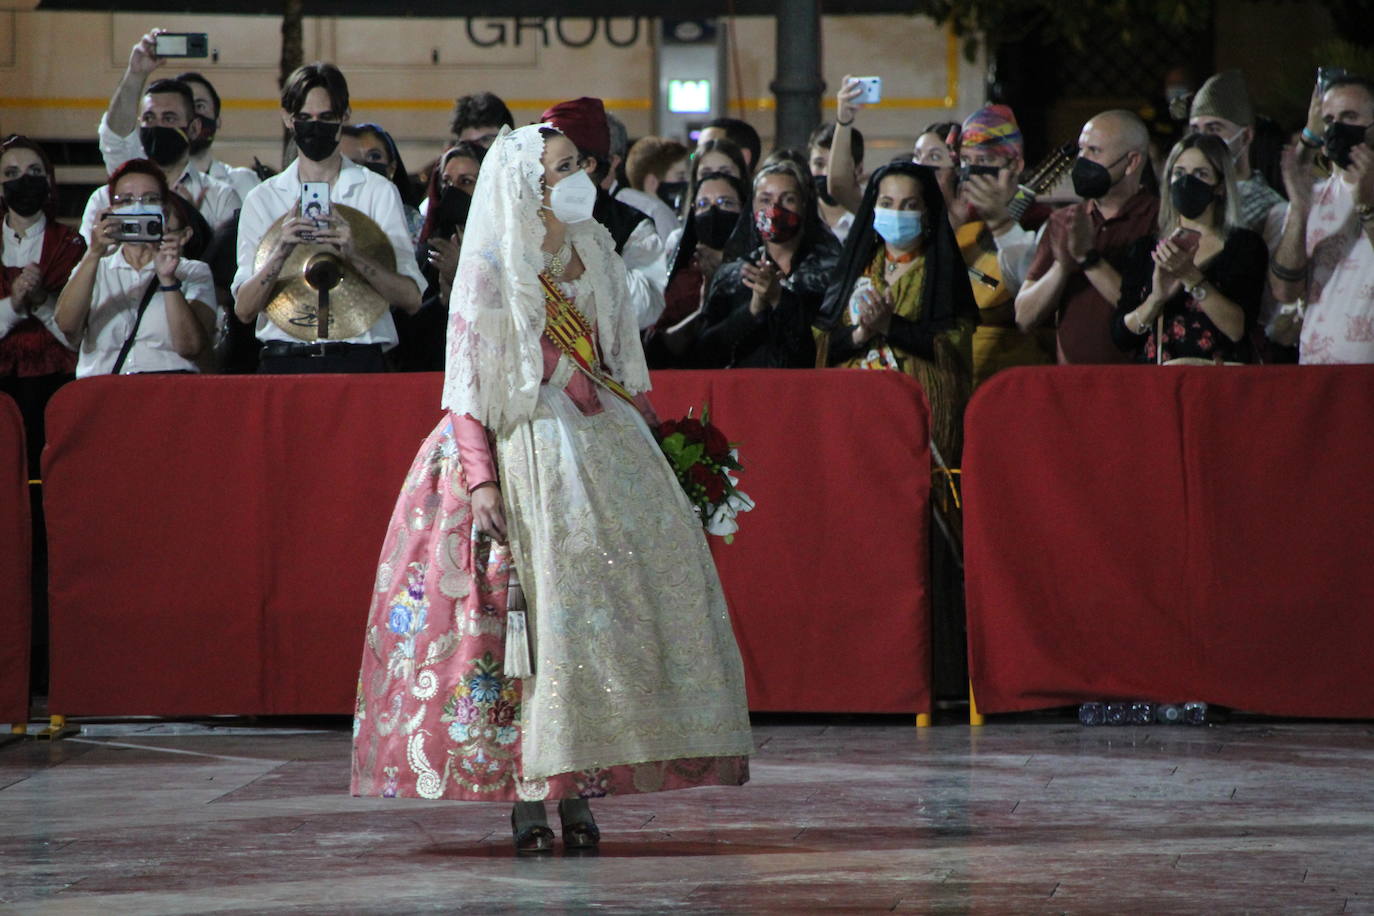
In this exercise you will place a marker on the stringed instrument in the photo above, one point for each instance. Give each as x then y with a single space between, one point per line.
977 244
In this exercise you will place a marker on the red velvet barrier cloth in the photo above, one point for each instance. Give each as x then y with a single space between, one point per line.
213 541
1172 534
16 612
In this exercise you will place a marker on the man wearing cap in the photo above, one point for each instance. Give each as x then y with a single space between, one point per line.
1222 108
583 121
996 248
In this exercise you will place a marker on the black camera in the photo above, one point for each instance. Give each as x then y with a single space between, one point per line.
966 170
138 227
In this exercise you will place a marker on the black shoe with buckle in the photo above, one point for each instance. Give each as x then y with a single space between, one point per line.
530 829
579 827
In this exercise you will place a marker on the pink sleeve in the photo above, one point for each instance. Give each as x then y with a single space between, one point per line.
474 451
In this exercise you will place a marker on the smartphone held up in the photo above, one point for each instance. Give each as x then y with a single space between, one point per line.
181 44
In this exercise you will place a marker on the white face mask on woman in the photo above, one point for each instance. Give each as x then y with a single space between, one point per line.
573 199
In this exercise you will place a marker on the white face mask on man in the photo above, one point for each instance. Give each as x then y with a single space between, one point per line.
573 199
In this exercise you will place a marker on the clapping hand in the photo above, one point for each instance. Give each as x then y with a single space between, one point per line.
708 261
1362 171
27 289
443 257
875 313
1175 262
1297 178
763 279
1079 240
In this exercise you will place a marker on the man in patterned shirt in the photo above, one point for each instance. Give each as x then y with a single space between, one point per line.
1326 254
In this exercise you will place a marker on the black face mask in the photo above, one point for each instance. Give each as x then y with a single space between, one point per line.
1340 139
316 140
26 194
714 226
1092 180
451 211
1191 195
207 135
163 145
378 167
823 190
671 193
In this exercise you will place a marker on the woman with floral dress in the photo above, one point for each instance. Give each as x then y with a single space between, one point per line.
622 675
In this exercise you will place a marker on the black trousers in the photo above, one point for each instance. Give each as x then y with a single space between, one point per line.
309 359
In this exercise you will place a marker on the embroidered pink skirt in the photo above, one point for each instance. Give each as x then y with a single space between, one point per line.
435 716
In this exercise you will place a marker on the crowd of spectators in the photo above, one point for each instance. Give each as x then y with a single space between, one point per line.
943 263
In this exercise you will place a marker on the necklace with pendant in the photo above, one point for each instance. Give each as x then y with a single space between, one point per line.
556 263
895 264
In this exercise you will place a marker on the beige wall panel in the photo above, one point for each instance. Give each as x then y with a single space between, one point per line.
48 91
925 77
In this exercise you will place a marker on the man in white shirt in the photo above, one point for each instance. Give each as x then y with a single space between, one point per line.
203 158
583 121
314 107
163 131
836 216
1325 256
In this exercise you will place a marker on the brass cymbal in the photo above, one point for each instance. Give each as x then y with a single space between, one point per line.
354 306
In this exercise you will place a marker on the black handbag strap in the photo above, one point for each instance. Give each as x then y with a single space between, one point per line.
138 319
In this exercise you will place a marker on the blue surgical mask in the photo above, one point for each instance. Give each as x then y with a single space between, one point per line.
897 227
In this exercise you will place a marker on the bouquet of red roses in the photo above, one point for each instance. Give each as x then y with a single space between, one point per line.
703 460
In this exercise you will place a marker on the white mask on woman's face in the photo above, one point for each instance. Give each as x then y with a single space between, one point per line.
573 199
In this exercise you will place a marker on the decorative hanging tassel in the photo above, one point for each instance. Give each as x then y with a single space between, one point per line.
517 662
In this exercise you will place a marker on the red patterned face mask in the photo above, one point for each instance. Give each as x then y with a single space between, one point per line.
777 224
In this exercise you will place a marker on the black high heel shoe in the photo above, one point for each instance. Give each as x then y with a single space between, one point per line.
532 834
579 827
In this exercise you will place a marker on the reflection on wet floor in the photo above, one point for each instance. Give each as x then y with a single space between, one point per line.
1027 815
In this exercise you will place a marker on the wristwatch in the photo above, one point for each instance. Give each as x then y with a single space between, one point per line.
1090 258
1197 290
170 288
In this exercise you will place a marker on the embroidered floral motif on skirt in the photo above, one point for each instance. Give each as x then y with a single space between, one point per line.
435 716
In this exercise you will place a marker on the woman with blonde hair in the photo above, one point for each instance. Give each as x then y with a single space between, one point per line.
1194 295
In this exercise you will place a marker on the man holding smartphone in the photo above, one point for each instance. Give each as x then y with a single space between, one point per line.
315 106
158 123
1325 256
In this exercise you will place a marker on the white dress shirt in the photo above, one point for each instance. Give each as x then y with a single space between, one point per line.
237 177
356 187
665 220
646 272
115 295
216 200
21 251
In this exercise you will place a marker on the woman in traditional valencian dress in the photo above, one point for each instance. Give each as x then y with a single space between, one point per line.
633 681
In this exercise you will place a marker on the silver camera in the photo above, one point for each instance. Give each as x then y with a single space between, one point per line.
138 224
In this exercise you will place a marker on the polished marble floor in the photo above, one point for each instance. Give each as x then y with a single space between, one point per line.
1033 815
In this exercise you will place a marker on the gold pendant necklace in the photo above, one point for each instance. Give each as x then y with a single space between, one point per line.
556 263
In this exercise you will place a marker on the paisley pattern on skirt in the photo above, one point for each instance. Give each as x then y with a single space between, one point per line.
435 716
